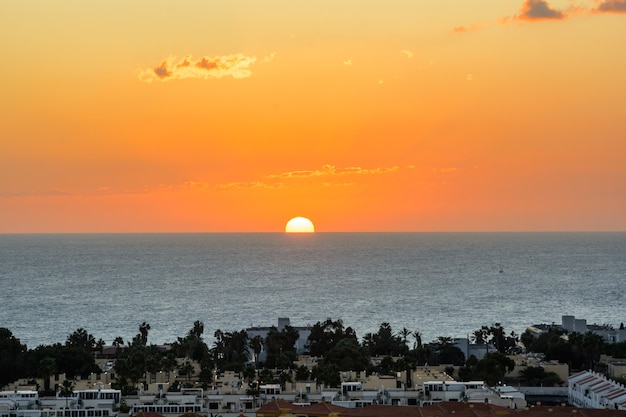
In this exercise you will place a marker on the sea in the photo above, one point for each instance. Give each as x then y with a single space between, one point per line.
438 284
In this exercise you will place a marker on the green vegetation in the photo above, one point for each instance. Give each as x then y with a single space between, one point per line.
337 347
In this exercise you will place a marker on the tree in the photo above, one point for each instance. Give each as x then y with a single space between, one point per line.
252 391
192 345
616 350
593 345
535 376
256 344
12 357
496 336
118 342
197 329
384 342
326 335
405 333
206 373
66 389
144 328
284 377
418 339
236 348
249 373
46 368
81 339
326 374
451 355
281 347
303 373
347 355
187 370
490 369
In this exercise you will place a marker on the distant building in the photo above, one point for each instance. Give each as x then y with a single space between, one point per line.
571 324
478 350
303 332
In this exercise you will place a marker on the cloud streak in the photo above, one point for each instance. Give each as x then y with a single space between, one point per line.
328 175
236 66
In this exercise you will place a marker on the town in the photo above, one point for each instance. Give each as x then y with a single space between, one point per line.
285 370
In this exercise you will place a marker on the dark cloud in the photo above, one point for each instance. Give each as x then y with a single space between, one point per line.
612 6
538 10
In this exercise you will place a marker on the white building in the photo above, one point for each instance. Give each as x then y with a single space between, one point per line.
24 399
592 390
474 392
81 403
608 333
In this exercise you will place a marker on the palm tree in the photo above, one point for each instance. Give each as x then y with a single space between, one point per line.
66 390
81 339
256 344
198 329
405 333
100 345
117 343
46 368
283 378
418 339
188 370
144 328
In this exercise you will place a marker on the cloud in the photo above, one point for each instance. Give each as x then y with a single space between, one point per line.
473 26
270 57
445 170
331 170
236 66
327 176
408 53
612 6
539 10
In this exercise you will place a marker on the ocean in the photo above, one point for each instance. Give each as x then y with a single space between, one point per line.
440 284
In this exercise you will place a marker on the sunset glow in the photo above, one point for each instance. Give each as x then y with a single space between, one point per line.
379 116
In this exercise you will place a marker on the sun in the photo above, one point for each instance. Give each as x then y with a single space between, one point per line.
299 225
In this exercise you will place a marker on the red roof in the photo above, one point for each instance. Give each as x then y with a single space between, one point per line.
441 409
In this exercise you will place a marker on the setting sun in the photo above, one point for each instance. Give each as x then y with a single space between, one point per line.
299 225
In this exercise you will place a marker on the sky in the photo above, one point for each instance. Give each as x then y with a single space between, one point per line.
363 116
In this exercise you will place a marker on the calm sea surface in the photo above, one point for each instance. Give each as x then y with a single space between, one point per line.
441 284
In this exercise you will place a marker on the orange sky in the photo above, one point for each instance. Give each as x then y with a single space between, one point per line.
234 116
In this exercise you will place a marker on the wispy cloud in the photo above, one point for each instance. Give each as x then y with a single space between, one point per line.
473 26
539 10
331 170
611 6
408 53
326 176
236 66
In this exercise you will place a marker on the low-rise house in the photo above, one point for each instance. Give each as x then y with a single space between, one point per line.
537 360
616 369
